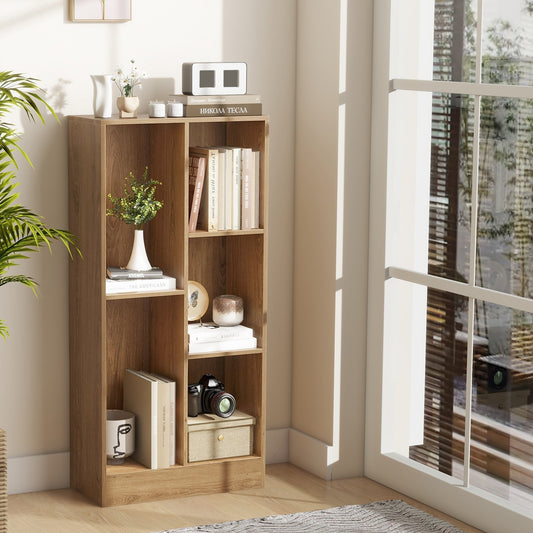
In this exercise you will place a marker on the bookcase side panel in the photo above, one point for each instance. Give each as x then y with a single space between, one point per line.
168 163
127 150
167 354
245 277
207 265
128 344
244 378
87 307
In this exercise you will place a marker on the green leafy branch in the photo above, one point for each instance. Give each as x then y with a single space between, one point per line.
138 205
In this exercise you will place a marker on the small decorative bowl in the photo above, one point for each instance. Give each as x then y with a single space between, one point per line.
228 310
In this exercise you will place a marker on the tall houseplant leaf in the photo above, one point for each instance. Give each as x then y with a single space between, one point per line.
22 231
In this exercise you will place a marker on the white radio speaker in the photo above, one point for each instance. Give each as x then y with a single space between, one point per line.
214 78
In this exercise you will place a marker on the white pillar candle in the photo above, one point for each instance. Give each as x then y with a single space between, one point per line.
157 109
174 109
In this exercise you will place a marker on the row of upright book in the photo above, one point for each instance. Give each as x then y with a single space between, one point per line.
224 185
152 398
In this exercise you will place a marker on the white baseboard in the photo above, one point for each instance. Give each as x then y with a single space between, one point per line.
310 454
52 471
38 472
277 446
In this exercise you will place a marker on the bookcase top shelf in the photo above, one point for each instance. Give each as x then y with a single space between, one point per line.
145 119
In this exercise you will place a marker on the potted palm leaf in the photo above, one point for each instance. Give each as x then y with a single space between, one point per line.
21 230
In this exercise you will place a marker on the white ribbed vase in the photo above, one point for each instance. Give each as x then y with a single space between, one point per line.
138 259
102 95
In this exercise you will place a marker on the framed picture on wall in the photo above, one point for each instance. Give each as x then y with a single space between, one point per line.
100 10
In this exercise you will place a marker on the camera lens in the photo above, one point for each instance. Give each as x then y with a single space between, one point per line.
219 402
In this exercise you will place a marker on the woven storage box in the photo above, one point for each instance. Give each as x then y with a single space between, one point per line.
212 437
3 481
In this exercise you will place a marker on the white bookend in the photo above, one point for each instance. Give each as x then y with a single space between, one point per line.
140 397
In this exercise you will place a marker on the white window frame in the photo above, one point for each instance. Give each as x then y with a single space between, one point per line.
434 488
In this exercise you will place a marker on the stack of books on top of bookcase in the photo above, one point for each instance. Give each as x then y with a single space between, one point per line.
219 105
208 337
121 279
152 398
223 188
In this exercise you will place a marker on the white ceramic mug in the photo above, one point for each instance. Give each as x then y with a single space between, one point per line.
120 435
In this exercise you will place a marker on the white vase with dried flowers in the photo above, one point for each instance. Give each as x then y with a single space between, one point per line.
126 82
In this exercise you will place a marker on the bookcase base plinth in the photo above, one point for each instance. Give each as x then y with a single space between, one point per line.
180 481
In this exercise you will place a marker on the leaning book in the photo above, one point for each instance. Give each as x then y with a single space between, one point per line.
117 286
140 397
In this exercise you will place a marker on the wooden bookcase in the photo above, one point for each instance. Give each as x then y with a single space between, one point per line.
148 331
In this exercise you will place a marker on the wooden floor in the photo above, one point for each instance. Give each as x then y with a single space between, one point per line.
287 490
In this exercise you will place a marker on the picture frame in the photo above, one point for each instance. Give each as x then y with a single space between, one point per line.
100 10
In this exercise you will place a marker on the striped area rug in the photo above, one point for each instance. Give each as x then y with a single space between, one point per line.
391 516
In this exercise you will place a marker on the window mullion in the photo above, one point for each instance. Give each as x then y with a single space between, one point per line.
473 250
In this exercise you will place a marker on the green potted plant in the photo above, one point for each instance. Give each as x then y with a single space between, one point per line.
21 230
137 207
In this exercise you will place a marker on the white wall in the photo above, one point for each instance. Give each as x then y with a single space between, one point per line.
38 39
331 235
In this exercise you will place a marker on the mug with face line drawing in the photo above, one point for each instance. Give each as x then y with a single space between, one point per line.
120 435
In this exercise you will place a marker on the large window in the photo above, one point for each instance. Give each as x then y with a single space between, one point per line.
458 320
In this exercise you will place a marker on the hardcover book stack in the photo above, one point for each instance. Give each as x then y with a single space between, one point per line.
208 337
121 279
219 105
223 188
152 398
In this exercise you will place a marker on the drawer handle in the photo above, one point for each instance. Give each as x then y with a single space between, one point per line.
220 438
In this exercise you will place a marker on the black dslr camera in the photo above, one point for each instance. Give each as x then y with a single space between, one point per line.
208 396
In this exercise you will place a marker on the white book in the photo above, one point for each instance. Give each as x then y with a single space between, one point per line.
209 332
246 182
255 189
226 345
228 189
236 196
140 397
166 419
172 418
222 189
212 191
117 286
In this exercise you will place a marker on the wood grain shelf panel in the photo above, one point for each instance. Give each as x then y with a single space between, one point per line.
147 294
